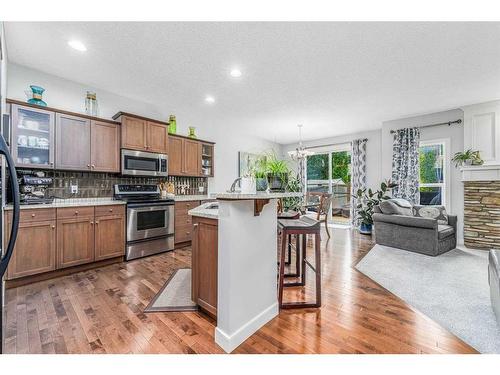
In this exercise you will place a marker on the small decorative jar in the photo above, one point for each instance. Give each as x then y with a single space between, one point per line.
91 106
191 133
37 96
172 125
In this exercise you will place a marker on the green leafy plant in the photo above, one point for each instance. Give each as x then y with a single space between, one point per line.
367 199
278 172
461 158
293 203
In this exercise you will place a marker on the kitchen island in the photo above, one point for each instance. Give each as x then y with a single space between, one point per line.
246 263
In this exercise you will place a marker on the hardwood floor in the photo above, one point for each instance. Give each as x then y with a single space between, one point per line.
101 311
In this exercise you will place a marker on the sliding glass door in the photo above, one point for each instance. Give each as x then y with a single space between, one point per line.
329 171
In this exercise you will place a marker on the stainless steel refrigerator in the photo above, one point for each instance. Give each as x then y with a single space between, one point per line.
6 168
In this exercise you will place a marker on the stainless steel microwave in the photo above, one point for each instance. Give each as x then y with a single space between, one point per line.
140 163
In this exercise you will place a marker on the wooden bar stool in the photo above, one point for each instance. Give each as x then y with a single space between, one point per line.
301 228
290 215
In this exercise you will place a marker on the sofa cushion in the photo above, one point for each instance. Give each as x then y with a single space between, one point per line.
396 206
445 230
431 212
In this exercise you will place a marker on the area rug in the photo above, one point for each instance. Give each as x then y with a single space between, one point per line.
451 289
175 295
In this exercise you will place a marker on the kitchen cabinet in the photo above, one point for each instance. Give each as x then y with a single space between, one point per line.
105 146
35 249
204 264
207 159
109 232
133 133
175 156
53 239
75 236
32 136
157 138
72 142
185 157
183 222
143 135
191 158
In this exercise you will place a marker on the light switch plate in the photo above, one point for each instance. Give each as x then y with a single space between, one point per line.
74 189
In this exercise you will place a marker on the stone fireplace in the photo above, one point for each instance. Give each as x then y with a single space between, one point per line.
482 214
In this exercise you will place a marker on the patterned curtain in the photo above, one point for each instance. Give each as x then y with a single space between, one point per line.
405 164
358 174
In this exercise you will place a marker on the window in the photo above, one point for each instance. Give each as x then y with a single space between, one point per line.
433 173
329 171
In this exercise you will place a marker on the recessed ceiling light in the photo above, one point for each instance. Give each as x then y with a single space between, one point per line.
76 44
210 99
235 73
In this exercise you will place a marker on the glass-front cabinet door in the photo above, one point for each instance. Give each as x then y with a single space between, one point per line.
32 137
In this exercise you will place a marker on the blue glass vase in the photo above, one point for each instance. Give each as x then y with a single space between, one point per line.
37 96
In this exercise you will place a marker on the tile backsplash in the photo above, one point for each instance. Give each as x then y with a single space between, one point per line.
95 184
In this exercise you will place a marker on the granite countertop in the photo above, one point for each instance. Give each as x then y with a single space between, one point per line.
71 202
184 198
259 195
204 211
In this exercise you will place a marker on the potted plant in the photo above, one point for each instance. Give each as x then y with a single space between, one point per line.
248 183
277 173
468 157
367 199
261 174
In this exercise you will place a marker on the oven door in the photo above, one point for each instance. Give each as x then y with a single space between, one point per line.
149 220
140 163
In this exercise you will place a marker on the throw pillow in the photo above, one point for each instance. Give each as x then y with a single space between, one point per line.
431 212
396 206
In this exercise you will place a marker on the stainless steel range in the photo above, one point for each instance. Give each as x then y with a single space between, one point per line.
150 220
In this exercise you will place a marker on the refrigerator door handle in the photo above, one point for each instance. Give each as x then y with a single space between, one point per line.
4 150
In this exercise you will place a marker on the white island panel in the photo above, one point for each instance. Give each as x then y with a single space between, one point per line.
247 292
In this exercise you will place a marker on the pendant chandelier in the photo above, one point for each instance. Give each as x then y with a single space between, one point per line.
300 153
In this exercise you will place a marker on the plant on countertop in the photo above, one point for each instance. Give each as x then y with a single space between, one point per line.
277 173
468 157
367 199
260 173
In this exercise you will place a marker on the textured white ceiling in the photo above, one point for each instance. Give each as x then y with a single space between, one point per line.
335 78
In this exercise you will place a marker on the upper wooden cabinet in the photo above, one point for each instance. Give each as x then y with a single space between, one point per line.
48 138
144 135
175 156
72 142
190 157
157 138
192 161
105 146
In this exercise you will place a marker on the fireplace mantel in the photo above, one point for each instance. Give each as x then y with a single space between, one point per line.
489 172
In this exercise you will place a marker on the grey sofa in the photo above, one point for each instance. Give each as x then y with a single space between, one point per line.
494 280
399 228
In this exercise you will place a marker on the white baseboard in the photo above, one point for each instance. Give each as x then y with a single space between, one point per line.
231 342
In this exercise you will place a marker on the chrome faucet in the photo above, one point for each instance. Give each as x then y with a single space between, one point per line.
233 186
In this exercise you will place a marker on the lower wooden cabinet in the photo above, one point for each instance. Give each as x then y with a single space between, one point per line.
109 236
75 241
53 239
35 250
183 223
204 264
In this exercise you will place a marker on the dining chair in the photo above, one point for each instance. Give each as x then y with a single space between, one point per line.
317 206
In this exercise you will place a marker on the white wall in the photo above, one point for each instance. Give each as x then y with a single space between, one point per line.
373 167
454 133
70 95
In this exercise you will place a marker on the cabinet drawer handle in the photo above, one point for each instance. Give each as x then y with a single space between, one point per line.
187 232
91 223
96 223
110 210
32 215
92 166
76 212
88 165
53 226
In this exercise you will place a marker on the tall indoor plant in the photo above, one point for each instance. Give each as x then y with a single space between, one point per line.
366 200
